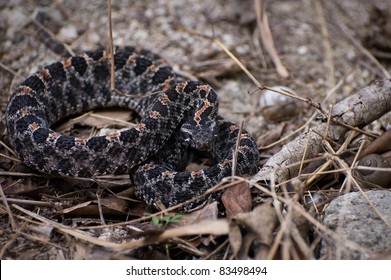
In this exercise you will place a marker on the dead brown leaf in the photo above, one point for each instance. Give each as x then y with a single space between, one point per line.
256 234
207 213
82 251
21 186
118 202
75 207
88 209
237 199
235 238
303 226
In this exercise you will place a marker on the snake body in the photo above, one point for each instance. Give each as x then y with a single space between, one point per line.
178 116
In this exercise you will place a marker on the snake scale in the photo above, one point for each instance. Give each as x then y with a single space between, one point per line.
180 115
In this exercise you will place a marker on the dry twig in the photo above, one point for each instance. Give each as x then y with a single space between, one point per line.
356 110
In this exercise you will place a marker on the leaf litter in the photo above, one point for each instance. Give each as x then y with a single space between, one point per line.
100 218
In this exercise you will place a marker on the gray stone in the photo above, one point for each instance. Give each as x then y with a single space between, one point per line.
364 234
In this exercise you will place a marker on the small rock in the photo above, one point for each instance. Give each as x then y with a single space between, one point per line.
277 107
302 50
68 33
352 218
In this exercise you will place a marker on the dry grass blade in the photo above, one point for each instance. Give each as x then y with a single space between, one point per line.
300 210
267 38
112 67
7 148
8 244
36 203
10 216
226 183
235 155
304 154
344 25
217 227
317 225
237 61
7 68
111 48
246 71
326 45
10 158
350 177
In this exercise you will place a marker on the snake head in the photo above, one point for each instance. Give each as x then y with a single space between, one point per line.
201 135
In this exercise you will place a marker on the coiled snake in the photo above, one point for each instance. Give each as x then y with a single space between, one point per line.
180 115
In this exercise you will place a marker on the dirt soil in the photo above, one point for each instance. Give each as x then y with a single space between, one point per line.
321 44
